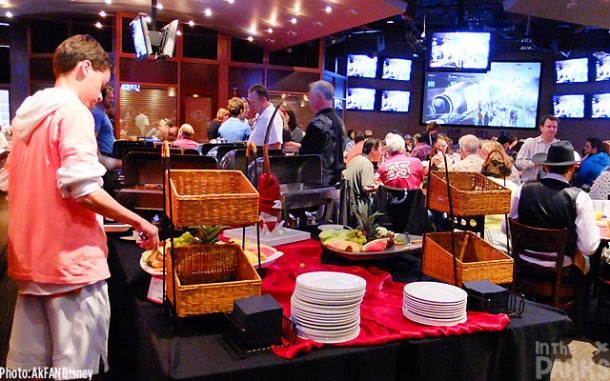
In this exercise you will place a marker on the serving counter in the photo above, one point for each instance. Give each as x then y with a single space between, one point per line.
142 346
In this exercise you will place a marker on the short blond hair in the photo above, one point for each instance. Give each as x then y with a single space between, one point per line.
187 131
235 106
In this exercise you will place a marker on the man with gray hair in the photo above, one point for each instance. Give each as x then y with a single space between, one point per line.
471 162
325 133
400 171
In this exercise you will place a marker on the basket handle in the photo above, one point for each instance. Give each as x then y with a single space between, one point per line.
165 149
463 248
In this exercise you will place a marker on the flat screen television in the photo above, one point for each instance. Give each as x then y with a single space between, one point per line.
398 69
141 39
573 70
506 96
395 100
168 40
361 65
359 98
600 105
569 106
602 66
459 51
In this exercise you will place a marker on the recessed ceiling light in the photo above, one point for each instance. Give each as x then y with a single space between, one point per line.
191 23
108 1
159 6
270 30
178 33
250 38
328 9
9 14
98 25
102 14
293 20
207 12
230 1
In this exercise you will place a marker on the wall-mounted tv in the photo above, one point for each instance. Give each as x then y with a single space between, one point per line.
602 66
506 96
398 69
168 40
457 51
141 39
361 65
573 70
600 105
359 98
395 100
569 106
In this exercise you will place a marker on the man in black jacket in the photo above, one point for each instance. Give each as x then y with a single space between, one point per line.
325 133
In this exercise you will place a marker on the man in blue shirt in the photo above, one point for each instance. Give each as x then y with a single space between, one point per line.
104 131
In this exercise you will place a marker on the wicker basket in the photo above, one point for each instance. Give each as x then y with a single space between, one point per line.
211 197
208 278
476 259
472 194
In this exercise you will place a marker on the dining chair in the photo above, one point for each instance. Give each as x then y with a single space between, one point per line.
556 284
403 209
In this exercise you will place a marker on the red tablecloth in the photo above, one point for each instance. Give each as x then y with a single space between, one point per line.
381 309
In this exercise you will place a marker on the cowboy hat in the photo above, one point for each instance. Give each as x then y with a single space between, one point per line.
560 154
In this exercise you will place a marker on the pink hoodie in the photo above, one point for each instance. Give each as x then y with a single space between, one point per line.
52 239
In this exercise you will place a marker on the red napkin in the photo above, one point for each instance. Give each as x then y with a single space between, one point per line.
381 315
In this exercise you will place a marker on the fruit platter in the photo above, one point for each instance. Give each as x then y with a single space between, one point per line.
354 244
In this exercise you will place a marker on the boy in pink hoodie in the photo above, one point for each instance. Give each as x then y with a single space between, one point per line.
57 246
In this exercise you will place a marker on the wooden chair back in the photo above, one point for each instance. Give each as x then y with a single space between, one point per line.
543 281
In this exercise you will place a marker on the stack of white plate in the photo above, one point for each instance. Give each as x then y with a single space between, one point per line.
435 304
326 306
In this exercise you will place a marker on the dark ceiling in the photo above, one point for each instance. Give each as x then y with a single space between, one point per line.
551 25
569 32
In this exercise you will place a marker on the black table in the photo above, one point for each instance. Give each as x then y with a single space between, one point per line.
142 346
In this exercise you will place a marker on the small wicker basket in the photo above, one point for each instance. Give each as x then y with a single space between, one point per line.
208 278
211 197
476 259
472 194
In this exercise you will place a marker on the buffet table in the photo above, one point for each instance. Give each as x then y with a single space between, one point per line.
143 347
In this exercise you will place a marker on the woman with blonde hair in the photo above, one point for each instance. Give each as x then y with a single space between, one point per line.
498 168
488 146
221 116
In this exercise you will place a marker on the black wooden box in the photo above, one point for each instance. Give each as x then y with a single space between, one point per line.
256 322
486 297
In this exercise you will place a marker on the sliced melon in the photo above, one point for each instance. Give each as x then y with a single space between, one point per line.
375 246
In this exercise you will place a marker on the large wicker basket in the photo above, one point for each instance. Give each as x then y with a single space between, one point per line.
472 194
211 197
208 278
476 259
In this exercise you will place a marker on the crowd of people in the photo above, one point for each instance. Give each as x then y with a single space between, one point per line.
54 166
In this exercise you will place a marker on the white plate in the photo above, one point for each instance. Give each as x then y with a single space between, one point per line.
330 340
149 269
271 258
435 292
330 281
330 226
432 322
116 228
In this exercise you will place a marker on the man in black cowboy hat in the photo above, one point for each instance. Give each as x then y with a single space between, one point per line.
552 203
